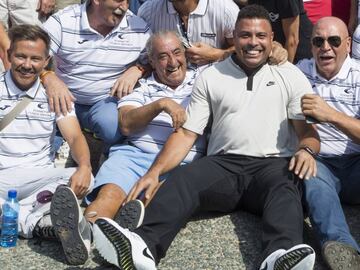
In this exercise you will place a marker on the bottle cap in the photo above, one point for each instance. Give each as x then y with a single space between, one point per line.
12 193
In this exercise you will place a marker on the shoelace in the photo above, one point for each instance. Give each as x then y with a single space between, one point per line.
47 232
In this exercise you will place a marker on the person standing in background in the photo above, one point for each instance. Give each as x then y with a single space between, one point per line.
4 46
317 9
354 16
206 27
341 9
291 26
15 12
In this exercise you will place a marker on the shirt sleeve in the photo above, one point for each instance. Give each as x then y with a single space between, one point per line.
136 98
53 27
198 111
298 87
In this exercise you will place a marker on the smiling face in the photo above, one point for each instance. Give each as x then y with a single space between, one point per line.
253 41
28 58
112 11
168 60
329 58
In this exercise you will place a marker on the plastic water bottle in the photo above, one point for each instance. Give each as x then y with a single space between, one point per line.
9 226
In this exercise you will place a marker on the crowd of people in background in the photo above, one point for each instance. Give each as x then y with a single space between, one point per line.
199 106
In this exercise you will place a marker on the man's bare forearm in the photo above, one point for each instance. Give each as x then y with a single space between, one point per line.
174 151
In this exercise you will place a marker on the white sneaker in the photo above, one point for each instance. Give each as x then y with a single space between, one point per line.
299 257
121 247
70 225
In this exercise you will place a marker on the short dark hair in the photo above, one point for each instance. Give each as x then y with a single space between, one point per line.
253 11
28 32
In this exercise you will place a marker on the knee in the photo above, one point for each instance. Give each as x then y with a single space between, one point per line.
112 193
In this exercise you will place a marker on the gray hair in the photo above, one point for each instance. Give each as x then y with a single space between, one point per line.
161 34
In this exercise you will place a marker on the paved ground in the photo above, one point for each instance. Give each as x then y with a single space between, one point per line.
227 242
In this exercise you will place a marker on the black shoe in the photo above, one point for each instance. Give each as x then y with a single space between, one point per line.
340 256
131 215
70 225
300 257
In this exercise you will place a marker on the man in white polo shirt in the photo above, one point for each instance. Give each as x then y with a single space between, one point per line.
206 26
335 79
97 47
258 145
26 159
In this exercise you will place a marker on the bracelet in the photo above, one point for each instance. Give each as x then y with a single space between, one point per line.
44 73
309 150
142 69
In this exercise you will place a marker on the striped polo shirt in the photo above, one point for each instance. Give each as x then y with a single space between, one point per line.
154 136
211 22
342 92
88 62
26 141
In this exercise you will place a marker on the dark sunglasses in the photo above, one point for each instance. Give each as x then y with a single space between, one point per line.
334 41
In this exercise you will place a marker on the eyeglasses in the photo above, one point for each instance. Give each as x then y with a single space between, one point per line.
334 41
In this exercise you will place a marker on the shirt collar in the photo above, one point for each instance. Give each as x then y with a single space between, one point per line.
13 90
342 74
189 80
199 10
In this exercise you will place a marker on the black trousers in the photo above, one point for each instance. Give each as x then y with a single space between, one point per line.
224 183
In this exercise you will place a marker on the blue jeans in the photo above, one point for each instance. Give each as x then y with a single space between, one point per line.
101 118
337 180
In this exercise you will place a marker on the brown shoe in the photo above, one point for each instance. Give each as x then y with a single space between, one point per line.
340 256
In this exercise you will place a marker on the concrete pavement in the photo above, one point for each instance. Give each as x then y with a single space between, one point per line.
225 242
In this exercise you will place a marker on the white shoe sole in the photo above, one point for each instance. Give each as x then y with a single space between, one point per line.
112 244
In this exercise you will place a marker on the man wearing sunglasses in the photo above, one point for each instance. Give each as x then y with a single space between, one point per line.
335 106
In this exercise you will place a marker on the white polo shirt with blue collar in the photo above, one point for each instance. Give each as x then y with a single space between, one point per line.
342 92
88 62
26 141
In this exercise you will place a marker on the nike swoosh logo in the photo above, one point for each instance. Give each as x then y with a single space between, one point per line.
82 41
147 254
348 91
41 105
266 267
4 107
270 83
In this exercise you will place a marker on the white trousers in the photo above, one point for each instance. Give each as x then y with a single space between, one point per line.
29 182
